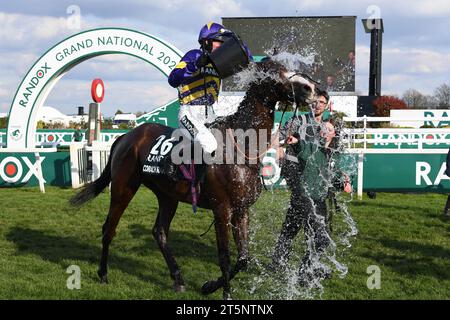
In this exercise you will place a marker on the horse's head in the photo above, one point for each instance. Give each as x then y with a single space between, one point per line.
302 87
287 86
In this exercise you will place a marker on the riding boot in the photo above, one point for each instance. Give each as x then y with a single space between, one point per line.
200 166
203 166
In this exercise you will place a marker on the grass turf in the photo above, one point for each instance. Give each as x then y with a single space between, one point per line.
405 235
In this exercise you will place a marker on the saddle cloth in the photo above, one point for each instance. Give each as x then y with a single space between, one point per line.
155 163
161 148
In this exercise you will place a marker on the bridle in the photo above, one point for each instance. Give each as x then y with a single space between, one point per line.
229 131
291 98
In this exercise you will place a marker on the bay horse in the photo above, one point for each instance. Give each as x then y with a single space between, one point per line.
227 189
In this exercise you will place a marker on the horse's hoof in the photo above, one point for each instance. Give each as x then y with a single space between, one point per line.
227 296
209 287
103 278
179 288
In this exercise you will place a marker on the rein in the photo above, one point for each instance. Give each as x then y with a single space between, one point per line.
267 150
243 152
229 130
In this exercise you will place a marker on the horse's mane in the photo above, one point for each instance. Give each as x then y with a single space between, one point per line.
261 89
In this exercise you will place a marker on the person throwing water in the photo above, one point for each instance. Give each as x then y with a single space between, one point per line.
306 167
198 84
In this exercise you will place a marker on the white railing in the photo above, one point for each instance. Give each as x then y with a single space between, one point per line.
2 139
78 164
362 140
57 139
378 138
42 138
88 162
414 137
100 154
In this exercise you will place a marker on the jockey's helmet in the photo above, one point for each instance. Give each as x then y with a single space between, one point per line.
213 31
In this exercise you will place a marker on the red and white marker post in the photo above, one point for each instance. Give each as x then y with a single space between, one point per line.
97 93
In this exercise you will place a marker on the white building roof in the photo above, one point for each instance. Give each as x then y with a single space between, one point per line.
125 117
48 114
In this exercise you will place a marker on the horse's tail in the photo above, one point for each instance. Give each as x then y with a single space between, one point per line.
93 189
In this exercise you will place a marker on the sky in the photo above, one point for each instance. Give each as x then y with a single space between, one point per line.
416 43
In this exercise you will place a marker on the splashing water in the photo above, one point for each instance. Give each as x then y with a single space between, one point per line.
295 61
303 274
296 279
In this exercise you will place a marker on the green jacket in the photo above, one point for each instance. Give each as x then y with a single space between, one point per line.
78 136
318 169
321 169
342 165
314 178
303 127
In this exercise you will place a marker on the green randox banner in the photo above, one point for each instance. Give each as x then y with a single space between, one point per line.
65 136
406 173
389 137
20 169
382 172
166 115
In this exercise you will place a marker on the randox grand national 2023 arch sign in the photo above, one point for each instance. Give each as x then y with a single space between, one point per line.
58 60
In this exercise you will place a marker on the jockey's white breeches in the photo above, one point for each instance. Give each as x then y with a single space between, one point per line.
192 119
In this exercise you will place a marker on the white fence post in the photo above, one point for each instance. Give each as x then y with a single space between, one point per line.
365 132
39 172
78 164
100 155
360 175
96 159
79 161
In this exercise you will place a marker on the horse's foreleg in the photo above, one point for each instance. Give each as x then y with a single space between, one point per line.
120 198
167 209
222 221
240 234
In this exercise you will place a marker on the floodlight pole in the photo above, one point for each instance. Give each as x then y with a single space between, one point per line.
376 29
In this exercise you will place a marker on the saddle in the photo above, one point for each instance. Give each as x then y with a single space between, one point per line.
159 163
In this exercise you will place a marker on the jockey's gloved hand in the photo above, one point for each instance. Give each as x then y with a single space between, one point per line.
191 66
202 61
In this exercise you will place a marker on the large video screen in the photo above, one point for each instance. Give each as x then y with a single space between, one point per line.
325 46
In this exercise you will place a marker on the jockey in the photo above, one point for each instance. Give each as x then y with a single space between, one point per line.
198 85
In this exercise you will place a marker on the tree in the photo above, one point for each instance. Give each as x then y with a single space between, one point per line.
107 123
41 125
119 111
384 104
3 123
431 102
442 94
55 125
124 126
415 99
